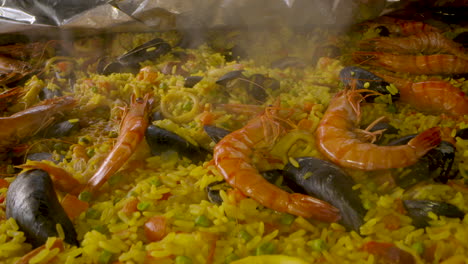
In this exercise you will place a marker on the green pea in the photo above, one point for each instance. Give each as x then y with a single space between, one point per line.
90 152
202 221
230 258
245 235
266 248
418 247
101 229
287 219
93 214
142 206
318 244
391 108
114 179
156 182
183 260
105 257
84 140
85 196
113 134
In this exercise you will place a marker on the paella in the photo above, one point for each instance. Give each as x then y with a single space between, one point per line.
317 146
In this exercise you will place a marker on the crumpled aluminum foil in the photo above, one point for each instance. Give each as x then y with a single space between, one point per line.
138 15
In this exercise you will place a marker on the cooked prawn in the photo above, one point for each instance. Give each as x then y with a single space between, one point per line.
433 96
10 96
338 137
232 157
423 64
132 132
62 179
28 122
401 26
13 70
424 42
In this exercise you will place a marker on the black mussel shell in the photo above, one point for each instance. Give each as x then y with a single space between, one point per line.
436 164
40 156
33 203
62 129
328 182
157 116
356 77
288 62
150 50
161 140
232 75
418 210
216 133
462 133
129 62
213 189
462 38
191 81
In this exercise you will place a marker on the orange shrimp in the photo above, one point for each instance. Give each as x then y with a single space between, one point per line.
423 64
401 26
28 122
232 157
424 42
13 70
62 180
10 96
338 138
132 132
433 96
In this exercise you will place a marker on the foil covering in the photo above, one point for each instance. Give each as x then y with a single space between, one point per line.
138 15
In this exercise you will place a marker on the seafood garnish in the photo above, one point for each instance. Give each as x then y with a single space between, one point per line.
425 43
326 181
30 121
414 64
358 78
33 203
435 164
132 132
129 61
216 133
161 140
418 210
232 157
339 138
433 96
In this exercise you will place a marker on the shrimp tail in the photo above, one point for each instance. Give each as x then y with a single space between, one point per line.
426 141
311 207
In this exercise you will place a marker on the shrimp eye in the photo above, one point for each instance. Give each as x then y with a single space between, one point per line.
139 100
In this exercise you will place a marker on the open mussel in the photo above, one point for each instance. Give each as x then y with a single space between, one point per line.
216 133
436 164
62 129
288 62
358 78
161 140
191 81
33 203
419 211
326 181
129 62
255 87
